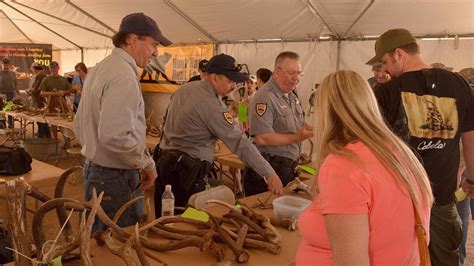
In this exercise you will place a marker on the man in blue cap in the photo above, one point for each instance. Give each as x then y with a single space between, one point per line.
195 119
110 121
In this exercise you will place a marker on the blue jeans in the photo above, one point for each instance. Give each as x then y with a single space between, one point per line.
119 186
463 211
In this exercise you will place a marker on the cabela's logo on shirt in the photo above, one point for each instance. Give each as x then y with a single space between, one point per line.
228 117
261 108
430 116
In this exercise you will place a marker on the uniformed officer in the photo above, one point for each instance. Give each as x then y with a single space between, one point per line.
195 119
277 123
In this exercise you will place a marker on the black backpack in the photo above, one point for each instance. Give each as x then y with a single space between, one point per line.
14 161
6 255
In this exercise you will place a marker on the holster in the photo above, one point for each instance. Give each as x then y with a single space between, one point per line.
186 169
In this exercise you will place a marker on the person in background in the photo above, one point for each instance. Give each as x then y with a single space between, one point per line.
201 70
38 100
277 126
263 75
358 155
8 86
54 83
251 85
431 109
110 122
78 83
380 77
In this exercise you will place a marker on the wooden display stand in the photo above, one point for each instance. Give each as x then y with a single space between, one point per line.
56 103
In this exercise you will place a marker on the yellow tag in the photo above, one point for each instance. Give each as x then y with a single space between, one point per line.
460 194
195 214
56 262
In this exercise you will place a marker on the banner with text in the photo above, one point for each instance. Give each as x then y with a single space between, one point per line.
22 55
173 66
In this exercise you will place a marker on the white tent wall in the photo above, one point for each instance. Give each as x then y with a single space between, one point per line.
69 58
318 59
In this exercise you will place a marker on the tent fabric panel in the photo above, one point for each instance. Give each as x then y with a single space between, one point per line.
173 26
340 14
246 20
420 17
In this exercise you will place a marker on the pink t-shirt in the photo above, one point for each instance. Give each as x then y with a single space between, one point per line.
347 188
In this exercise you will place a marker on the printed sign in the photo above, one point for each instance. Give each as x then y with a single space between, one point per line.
173 66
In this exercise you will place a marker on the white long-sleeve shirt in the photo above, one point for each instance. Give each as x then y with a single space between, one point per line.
110 121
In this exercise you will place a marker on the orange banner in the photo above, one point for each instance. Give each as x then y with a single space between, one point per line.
173 66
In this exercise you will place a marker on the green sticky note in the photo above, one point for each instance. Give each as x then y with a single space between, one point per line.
194 214
307 169
56 262
242 112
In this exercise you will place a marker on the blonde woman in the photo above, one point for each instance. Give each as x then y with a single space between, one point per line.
368 183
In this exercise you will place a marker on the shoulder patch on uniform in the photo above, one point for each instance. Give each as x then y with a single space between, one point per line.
261 108
228 117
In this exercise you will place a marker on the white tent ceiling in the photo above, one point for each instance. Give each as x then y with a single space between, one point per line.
224 21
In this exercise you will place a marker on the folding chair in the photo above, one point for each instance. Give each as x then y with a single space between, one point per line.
73 148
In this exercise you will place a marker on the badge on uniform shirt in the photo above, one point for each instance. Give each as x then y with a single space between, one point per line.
228 117
261 108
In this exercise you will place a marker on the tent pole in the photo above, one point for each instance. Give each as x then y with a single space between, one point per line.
338 55
359 17
63 20
90 16
16 26
42 25
316 13
190 20
216 48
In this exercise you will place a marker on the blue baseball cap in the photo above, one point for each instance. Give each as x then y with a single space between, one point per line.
225 65
142 24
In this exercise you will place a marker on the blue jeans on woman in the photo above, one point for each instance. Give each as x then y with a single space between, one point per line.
119 186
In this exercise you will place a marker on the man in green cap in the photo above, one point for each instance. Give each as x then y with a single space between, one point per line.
432 109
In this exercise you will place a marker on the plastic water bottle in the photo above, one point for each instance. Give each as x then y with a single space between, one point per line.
167 202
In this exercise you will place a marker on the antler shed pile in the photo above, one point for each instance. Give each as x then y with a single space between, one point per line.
237 230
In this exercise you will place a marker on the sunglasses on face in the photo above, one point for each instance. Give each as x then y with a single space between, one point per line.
237 68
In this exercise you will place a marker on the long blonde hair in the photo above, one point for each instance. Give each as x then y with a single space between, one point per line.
347 111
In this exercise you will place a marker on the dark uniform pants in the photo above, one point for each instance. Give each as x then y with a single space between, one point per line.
284 167
185 174
445 235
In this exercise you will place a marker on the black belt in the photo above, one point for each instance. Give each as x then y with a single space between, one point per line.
109 168
280 160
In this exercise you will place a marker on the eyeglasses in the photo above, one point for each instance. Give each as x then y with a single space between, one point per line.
292 72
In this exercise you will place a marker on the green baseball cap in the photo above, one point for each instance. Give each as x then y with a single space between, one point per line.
390 40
